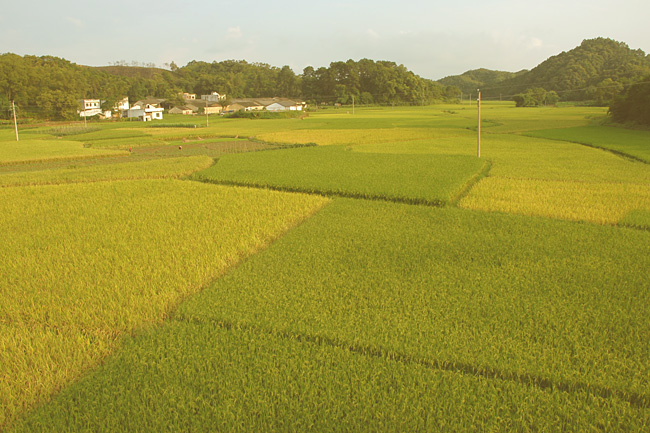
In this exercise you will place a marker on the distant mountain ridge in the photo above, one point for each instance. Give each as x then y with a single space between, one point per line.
476 78
579 74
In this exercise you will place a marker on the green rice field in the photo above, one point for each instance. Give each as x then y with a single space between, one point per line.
335 272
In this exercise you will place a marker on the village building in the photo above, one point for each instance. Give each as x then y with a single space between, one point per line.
203 106
213 105
213 97
181 110
233 107
92 107
196 106
285 105
248 104
122 104
146 110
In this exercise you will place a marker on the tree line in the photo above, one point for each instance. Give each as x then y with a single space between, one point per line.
51 87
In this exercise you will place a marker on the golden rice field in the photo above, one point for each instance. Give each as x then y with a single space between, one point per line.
38 150
129 287
153 169
600 203
84 264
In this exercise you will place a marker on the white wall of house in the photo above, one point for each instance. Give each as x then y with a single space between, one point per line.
90 107
213 97
133 112
276 107
90 104
146 114
90 112
122 104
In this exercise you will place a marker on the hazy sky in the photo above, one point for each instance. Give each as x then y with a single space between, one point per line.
433 38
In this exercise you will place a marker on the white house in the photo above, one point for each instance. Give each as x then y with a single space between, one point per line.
122 104
285 105
92 107
213 97
146 110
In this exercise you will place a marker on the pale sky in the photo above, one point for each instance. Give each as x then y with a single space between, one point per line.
432 38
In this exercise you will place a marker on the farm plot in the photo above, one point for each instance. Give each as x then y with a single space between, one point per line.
352 137
431 179
152 169
530 299
557 179
508 119
369 316
14 152
82 265
477 321
204 377
596 202
625 141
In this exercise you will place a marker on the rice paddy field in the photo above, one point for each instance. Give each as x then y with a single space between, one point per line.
336 272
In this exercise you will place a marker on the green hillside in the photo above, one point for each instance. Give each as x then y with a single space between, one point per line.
479 78
597 70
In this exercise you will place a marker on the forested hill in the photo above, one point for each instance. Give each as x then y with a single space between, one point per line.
598 70
50 87
133 71
471 80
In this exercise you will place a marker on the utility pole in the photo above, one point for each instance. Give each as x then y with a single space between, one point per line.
352 104
478 149
207 122
13 107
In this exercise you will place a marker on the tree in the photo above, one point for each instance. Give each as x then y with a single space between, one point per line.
5 107
535 97
287 82
366 98
552 98
634 106
606 91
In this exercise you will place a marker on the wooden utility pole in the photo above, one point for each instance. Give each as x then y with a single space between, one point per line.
352 104
478 148
13 108
207 121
